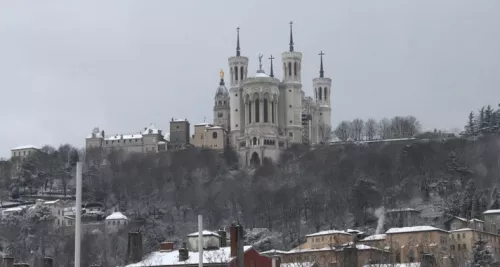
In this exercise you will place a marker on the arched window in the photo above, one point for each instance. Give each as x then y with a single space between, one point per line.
320 91
214 135
266 110
241 73
289 68
249 111
220 103
295 68
257 110
235 73
254 141
272 111
325 93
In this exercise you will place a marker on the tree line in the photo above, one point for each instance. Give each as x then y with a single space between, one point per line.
486 121
360 130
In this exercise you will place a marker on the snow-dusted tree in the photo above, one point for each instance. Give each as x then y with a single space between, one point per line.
343 130
470 128
357 129
370 129
385 131
481 255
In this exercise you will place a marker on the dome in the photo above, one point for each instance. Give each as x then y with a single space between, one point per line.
222 90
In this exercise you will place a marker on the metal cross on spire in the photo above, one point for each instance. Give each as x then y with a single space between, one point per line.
271 71
291 36
321 72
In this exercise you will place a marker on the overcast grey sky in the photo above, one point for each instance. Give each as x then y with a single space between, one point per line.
66 67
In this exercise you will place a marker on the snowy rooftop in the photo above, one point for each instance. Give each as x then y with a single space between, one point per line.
51 202
491 211
117 216
261 74
166 258
297 264
402 209
206 124
375 237
462 230
273 251
413 229
25 147
124 136
151 129
328 232
205 233
14 209
332 248
476 220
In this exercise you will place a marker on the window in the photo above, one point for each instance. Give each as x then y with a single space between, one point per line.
235 73
320 113
289 90
257 110
325 93
241 73
236 95
255 141
295 68
266 110
289 68
236 110
272 111
290 134
177 127
464 246
220 115
250 112
59 212
320 93
214 135
289 106
290 121
236 125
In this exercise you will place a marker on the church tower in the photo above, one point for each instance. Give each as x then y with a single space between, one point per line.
291 94
322 89
221 106
238 66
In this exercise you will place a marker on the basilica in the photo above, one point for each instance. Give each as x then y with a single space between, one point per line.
260 115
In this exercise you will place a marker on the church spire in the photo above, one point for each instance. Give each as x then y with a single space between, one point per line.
271 71
321 72
291 36
238 41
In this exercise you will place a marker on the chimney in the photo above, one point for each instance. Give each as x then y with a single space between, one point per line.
102 133
233 239
134 247
222 238
183 253
8 261
47 262
241 249
166 246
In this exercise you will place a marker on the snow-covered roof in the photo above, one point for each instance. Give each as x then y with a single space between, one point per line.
25 147
331 248
124 136
167 258
261 74
298 264
410 229
151 129
13 209
462 230
328 232
51 202
179 120
375 237
491 211
204 233
273 251
476 220
117 216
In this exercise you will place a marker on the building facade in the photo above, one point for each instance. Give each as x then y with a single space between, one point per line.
264 115
22 152
149 140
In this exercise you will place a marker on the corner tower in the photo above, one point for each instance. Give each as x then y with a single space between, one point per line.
322 89
291 93
238 66
221 106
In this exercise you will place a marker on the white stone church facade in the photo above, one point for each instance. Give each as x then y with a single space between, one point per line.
263 115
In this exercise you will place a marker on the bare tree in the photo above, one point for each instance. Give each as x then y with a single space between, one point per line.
370 129
404 127
357 129
385 131
342 131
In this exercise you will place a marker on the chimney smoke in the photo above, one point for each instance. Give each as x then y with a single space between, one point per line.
380 214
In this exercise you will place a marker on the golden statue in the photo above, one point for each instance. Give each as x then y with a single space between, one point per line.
221 74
